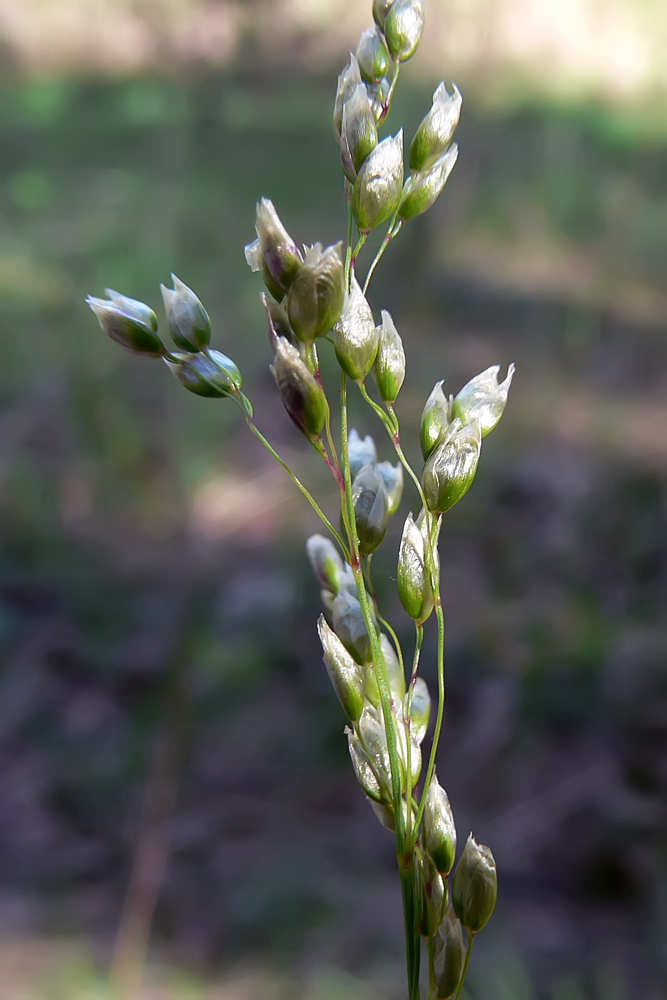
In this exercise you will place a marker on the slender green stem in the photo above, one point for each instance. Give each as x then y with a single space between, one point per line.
312 360
318 445
348 248
332 447
392 232
417 895
384 417
390 422
394 81
471 938
408 726
408 468
419 638
309 497
394 639
357 250
412 937
378 660
392 415
441 708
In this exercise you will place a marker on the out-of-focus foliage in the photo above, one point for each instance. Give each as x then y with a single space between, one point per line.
575 48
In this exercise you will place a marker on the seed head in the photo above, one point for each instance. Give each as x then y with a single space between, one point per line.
450 470
347 83
482 399
378 95
380 11
360 451
434 896
372 56
439 829
130 323
350 627
374 738
385 813
345 674
420 709
403 27
359 134
211 375
475 886
326 562
436 130
363 769
415 753
355 335
389 367
316 296
302 395
371 508
422 190
450 956
274 252
278 323
188 321
379 184
414 587
435 421
392 476
133 307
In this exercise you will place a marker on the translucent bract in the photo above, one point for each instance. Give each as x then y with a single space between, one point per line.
422 190
475 886
483 399
389 368
449 472
355 336
436 130
345 673
377 189
188 321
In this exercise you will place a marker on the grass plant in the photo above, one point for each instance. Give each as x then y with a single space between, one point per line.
316 300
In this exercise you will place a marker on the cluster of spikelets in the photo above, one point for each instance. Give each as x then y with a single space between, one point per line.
375 170
348 657
313 298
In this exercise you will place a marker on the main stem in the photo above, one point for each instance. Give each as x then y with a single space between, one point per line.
404 852
378 659
410 896
441 707
390 422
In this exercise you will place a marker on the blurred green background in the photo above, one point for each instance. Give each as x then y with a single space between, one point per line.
160 676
